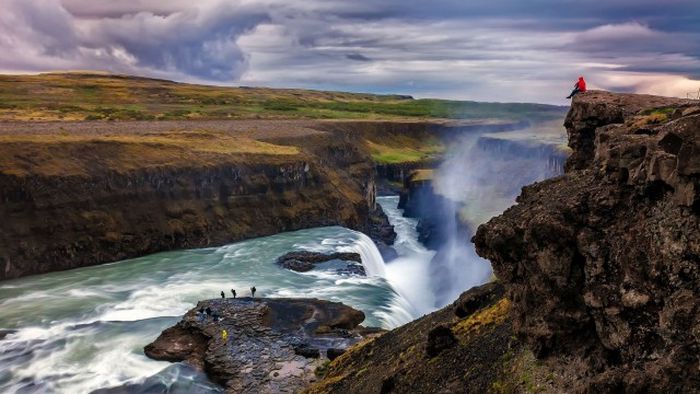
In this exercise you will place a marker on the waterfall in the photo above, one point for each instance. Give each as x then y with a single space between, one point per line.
482 175
371 258
404 306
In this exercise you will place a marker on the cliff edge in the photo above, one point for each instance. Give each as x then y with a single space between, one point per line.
602 265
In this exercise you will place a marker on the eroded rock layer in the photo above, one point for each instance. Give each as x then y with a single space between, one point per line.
72 201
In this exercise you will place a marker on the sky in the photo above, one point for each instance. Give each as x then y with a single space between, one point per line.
484 50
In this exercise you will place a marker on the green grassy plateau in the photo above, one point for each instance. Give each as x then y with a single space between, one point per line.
96 96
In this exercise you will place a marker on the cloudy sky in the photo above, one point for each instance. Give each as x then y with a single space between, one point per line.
488 50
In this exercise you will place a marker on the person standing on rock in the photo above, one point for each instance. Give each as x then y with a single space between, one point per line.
252 291
234 293
579 87
223 295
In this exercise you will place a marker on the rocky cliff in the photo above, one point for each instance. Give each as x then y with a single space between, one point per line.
599 267
602 265
91 197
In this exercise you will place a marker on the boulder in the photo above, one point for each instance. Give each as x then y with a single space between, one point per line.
303 261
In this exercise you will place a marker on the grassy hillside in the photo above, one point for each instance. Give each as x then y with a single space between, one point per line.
94 96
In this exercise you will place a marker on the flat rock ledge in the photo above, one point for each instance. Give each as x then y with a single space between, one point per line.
303 261
270 345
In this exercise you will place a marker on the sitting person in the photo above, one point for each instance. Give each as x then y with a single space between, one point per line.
579 87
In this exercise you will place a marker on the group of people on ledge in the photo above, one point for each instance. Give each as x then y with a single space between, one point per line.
203 314
233 292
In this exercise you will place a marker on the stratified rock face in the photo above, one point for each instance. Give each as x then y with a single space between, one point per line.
269 345
603 264
54 219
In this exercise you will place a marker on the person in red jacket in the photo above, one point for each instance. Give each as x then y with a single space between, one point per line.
579 87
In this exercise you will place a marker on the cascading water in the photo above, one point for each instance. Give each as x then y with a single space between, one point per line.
372 259
409 274
480 177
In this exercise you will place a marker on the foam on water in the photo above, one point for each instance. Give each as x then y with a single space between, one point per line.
85 329
371 258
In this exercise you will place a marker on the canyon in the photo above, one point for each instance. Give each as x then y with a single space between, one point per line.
596 274
595 270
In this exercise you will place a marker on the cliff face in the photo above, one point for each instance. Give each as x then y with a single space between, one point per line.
602 265
81 202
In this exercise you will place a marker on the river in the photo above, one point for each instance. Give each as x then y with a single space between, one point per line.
84 329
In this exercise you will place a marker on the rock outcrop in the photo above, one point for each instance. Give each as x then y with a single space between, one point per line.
443 352
602 265
303 261
260 345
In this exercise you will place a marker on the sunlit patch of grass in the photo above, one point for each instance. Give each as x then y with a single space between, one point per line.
66 154
422 175
387 154
492 315
194 141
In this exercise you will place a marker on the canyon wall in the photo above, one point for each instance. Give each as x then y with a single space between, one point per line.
79 203
602 265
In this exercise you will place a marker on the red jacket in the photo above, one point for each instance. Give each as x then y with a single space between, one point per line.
581 84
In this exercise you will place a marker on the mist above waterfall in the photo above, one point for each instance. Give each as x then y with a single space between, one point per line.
480 177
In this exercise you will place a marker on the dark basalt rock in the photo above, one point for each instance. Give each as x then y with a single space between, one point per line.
272 345
353 269
303 261
4 333
461 360
333 353
307 351
474 298
439 338
601 264
380 230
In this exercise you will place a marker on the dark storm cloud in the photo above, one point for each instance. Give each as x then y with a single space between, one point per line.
186 42
358 57
480 49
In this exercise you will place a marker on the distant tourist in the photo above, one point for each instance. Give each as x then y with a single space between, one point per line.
224 335
234 293
579 87
252 291
223 295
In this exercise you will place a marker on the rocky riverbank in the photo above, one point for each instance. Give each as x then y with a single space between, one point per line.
261 345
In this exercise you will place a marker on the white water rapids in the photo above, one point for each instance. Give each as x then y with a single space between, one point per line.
81 330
